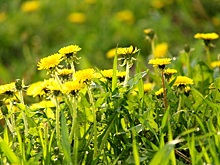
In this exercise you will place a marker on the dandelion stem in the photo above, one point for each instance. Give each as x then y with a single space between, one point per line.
188 64
94 122
58 122
75 129
23 113
127 74
164 89
208 54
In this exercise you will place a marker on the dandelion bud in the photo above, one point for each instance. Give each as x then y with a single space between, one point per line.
18 84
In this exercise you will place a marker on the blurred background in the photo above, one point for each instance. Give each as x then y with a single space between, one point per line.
31 30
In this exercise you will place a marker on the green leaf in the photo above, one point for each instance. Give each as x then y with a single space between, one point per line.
65 139
163 155
49 113
9 153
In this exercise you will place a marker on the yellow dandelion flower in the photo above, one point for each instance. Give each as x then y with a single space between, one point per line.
2 16
215 64
30 6
127 50
53 85
84 75
206 36
159 92
107 73
125 16
160 50
7 89
50 62
169 71
183 81
39 88
77 17
69 50
160 62
65 72
72 87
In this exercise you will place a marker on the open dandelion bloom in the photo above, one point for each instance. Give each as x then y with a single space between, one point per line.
206 36
50 62
77 17
160 50
127 50
8 89
215 64
72 87
160 62
84 75
39 88
183 81
70 50
30 6
169 71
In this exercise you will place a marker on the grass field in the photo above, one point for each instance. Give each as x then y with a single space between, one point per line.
109 82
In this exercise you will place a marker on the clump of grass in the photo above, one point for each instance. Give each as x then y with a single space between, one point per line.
112 116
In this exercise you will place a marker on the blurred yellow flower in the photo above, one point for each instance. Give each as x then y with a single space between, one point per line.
160 50
206 36
90 1
84 75
2 16
29 6
215 64
50 62
160 62
111 53
8 89
77 17
72 87
148 87
183 81
126 16
160 3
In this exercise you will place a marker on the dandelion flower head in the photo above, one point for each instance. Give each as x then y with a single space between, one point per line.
127 50
72 87
169 71
206 36
69 50
159 92
160 62
7 89
84 75
183 81
50 62
125 16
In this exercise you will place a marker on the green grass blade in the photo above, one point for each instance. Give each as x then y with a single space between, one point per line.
163 155
9 153
65 139
114 76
